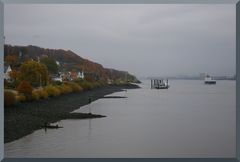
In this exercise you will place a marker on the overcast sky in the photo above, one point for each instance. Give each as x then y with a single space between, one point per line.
146 40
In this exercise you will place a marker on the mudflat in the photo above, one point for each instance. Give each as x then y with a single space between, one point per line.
24 118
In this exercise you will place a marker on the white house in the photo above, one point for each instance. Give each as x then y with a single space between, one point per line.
7 70
58 63
57 77
80 74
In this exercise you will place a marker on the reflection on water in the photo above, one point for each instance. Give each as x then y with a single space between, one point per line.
188 120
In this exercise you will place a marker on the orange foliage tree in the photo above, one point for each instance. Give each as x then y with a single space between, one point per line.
25 88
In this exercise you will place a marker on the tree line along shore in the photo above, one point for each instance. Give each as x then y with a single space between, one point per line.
34 73
33 81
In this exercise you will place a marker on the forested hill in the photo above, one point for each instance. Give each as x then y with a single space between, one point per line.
68 61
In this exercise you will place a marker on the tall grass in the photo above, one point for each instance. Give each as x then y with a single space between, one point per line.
65 89
87 85
39 93
74 86
52 91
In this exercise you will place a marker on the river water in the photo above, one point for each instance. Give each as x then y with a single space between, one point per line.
189 119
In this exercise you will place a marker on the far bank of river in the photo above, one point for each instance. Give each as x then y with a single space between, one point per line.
25 118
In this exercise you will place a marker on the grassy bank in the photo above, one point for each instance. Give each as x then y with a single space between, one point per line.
24 118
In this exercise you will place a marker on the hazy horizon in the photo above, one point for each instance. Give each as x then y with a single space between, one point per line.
145 40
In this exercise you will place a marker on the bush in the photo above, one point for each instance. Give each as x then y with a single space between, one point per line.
42 93
56 83
52 91
9 98
39 94
20 98
65 89
119 82
74 86
35 94
102 83
90 79
96 85
25 88
86 85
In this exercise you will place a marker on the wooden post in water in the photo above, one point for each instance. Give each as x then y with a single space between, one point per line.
89 102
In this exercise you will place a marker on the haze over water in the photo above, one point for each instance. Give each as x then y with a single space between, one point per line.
190 119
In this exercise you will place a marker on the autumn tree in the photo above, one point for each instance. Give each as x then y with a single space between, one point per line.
34 72
50 64
15 78
12 60
25 88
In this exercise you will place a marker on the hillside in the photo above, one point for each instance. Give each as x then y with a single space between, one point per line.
68 61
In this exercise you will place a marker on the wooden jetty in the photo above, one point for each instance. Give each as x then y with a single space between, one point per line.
159 84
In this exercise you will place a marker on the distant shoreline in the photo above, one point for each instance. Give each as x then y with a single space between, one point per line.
25 118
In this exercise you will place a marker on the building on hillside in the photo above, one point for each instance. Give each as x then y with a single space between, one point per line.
73 75
65 76
58 63
76 75
20 55
80 75
7 71
57 77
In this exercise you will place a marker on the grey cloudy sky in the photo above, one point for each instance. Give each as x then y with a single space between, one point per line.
146 40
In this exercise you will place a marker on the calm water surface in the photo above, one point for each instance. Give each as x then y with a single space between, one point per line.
189 119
